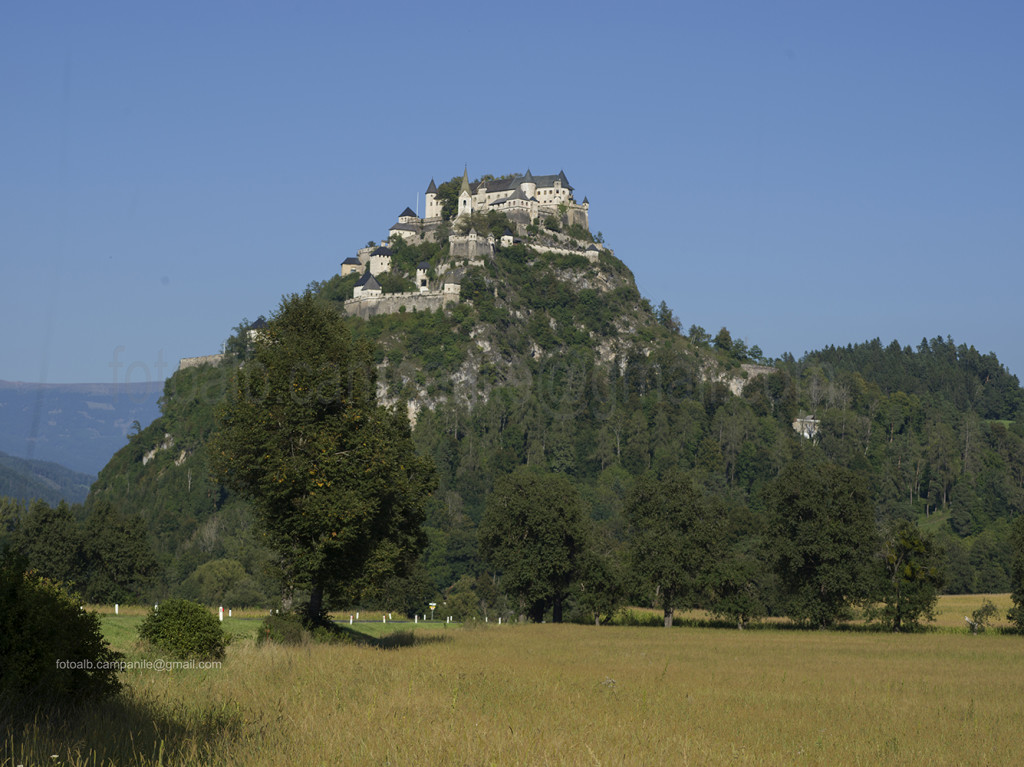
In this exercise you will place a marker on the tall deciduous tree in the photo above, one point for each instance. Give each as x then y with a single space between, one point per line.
334 480
534 531
911 576
1017 612
50 539
821 528
119 557
672 531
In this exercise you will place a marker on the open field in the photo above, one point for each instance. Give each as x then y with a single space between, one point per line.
564 694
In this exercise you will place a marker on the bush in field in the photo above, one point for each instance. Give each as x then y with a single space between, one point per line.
50 650
981 617
185 629
283 629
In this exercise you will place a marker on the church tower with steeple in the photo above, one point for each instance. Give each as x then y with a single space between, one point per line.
465 195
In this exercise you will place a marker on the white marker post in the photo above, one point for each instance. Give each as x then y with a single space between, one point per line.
115 608
222 613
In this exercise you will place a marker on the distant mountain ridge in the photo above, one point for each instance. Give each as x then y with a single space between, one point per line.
79 426
26 480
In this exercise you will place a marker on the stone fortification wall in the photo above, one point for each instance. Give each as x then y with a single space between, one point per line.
470 246
736 383
590 255
577 215
194 362
390 303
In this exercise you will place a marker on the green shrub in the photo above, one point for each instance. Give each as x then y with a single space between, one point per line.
185 629
627 617
981 617
283 629
50 650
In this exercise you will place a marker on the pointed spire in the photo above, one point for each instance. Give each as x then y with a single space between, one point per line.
432 189
528 177
465 182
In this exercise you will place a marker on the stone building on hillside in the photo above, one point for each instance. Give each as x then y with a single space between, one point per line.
351 265
471 246
367 286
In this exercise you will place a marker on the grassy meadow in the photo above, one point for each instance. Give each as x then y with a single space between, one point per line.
562 695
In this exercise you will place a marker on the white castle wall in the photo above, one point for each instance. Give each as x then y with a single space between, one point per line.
390 303
194 362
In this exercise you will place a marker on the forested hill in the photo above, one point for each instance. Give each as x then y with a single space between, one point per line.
557 362
25 480
936 369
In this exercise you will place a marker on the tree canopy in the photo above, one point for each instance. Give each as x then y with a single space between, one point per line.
822 533
534 532
333 479
672 533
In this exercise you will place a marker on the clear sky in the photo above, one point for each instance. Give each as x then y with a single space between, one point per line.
805 173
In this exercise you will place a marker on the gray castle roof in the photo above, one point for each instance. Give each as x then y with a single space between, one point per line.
351 261
368 281
423 265
432 189
383 251
518 194
402 228
507 184
407 212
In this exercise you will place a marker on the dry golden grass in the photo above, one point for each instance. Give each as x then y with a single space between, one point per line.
569 695
951 609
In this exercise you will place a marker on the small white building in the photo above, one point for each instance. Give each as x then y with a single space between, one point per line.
379 260
367 286
351 265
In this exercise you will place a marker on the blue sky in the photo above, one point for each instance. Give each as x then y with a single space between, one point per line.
802 173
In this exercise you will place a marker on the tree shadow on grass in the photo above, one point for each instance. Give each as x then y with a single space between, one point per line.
125 729
392 641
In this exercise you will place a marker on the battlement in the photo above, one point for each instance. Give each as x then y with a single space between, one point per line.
391 303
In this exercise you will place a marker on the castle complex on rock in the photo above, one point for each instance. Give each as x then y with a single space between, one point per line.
526 200
523 199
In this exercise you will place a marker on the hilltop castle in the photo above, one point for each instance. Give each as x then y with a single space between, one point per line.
523 199
526 200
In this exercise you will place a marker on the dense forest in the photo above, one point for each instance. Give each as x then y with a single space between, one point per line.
556 365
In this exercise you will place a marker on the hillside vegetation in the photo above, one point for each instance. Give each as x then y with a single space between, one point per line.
557 363
25 480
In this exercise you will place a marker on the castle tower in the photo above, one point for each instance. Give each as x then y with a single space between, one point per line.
432 204
528 185
465 195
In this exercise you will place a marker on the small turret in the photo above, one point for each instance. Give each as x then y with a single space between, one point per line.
421 276
432 204
528 185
